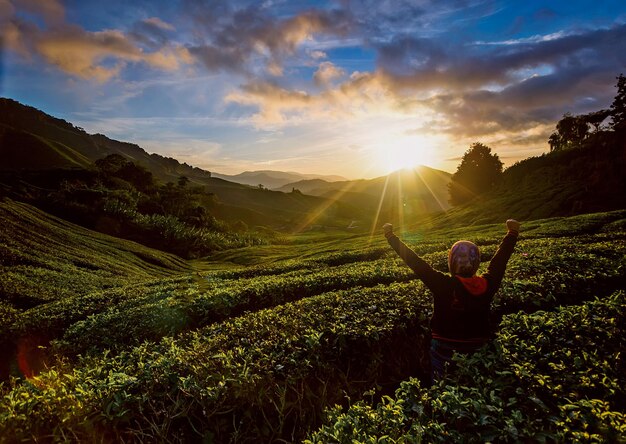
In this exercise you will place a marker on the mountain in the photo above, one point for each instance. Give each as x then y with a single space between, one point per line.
409 177
274 179
396 197
33 140
314 187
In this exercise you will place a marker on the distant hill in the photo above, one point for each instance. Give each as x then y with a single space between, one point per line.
274 179
396 197
314 187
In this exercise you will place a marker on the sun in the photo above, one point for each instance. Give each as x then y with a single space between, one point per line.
405 152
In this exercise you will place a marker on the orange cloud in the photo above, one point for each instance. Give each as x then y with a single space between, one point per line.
362 94
83 53
326 73
98 55
274 103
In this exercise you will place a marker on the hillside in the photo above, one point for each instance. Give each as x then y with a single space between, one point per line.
314 187
273 179
398 197
37 133
32 144
581 180
46 250
46 260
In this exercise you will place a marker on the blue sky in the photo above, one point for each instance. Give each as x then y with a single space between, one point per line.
354 88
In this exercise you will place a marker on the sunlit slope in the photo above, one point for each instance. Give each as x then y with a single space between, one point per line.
44 258
565 183
395 197
23 122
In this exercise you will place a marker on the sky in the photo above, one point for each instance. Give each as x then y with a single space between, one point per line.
350 88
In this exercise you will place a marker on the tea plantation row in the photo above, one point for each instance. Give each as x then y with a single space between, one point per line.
118 318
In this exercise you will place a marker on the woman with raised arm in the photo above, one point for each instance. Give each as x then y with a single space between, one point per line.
462 300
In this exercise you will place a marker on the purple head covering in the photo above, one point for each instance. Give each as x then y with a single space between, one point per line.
464 258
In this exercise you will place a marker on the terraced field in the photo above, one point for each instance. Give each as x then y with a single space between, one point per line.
141 346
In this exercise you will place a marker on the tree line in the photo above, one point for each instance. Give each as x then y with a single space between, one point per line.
481 170
121 198
572 131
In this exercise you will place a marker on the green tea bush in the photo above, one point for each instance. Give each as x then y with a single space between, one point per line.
50 320
548 377
329 259
265 375
546 279
144 320
46 258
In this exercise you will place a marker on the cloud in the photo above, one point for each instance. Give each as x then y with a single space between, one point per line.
158 23
467 92
467 68
380 20
298 65
362 95
6 11
84 54
152 32
406 54
566 71
508 96
326 73
273 102
240 40
316 55
99 55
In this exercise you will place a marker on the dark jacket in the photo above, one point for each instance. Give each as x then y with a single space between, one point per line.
461 305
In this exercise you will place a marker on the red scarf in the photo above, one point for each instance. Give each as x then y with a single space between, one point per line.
475 285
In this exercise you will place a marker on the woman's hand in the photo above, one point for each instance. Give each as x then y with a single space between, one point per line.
387 229
512 225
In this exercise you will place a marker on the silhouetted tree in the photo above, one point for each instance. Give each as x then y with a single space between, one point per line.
183 181
137 175
111 164
572 130
618 107
115 165
479 171
555 142
596 118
